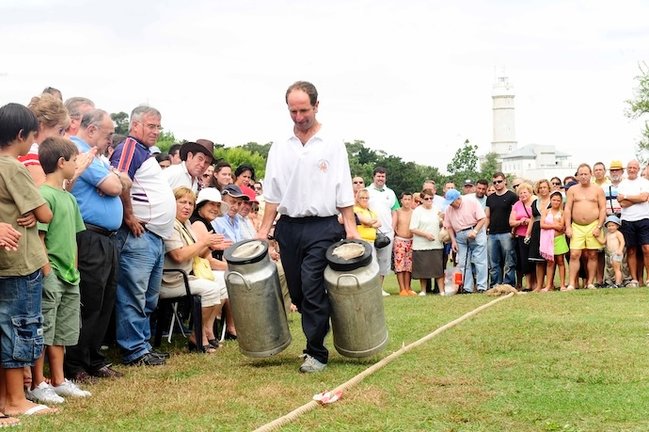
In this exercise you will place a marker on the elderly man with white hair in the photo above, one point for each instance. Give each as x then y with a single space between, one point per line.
464 220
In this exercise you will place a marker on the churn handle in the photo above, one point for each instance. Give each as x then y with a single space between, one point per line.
245 282
358 285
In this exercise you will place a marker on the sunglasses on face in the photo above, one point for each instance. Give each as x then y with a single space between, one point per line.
556 184
427 199
498 181
358 182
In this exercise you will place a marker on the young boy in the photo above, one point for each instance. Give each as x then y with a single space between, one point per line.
402 249
61 297
614 242
20 269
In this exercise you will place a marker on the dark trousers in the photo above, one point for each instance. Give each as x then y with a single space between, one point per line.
98 264
303 245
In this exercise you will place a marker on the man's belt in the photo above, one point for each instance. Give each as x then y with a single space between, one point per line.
99 230
466 229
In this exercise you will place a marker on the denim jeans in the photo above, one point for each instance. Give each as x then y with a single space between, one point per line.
138 287
21 322
477 255
502 261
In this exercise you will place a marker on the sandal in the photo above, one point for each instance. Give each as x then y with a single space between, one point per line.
6 421
206 349
214 343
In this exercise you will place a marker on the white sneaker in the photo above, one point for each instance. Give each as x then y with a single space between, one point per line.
422 294
311 365
44 393
70 389
385 293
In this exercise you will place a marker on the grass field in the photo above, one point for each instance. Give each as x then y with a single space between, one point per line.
574 361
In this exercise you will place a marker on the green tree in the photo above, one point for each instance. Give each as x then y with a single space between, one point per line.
121 122
261 149
464 160
463 165
402 176
166 140
638 107
489 166
361 159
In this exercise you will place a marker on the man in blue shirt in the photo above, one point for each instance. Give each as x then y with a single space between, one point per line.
232 225
97 192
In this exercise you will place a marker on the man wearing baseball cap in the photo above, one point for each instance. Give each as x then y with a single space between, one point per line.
196 157
468 187
232 225
464 220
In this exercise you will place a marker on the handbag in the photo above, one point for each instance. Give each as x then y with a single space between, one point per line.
201 267
444 235
381 240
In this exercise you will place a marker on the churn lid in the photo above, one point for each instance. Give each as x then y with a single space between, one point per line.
246 252
347 255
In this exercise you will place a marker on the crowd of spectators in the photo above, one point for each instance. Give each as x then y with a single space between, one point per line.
593 224
89 223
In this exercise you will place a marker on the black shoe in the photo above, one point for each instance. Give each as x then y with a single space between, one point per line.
214 343
230 336
82 377
106 372
161 354
147 359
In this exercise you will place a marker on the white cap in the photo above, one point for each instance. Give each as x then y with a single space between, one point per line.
212 194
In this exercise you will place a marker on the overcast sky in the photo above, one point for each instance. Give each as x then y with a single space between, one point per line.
412 77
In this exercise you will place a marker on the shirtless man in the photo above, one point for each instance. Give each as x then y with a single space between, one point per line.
584 214
403 245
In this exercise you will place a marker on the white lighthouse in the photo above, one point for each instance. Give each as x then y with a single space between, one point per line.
504 138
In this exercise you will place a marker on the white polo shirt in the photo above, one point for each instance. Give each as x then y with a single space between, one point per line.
308 180
383 201
177 175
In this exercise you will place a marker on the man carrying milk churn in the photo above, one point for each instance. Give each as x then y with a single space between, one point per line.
308 184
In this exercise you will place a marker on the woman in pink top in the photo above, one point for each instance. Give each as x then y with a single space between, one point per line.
519 220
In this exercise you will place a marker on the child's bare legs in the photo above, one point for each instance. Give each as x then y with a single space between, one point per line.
549 283
55 354
617 269
401 279
12 387
38 374
560 262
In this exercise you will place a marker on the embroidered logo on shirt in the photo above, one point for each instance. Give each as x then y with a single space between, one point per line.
323 165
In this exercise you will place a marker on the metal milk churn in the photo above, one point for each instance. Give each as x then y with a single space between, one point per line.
256 299
354 287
